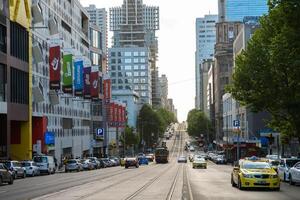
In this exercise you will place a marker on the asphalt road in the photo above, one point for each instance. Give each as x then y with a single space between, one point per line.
155 181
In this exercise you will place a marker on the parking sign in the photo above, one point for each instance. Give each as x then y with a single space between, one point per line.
236 123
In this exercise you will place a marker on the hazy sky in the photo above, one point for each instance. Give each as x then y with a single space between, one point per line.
177 44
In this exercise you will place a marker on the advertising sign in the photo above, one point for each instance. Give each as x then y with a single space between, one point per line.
107 90
67 73
78 77
87 82
49 138
54 67
94 79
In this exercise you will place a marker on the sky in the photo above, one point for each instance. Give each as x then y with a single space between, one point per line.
176 43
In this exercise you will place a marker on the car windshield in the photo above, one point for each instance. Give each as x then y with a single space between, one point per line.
275 163
26 164
291 163
256 165
71 161
40 159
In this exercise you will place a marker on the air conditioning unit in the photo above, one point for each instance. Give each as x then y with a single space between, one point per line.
53 97
37 92
37 52
37 14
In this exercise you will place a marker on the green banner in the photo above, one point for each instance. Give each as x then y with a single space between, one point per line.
67 73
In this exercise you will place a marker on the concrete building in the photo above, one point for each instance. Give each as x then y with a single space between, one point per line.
205 67
131 100
210 94
15 80
163 90
134 24
205 42
130 69
236 10
59 112
251 123
226 34
98 16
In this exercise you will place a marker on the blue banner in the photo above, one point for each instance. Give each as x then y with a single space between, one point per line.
78 77
49 138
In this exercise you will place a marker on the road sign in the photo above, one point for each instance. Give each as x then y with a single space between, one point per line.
100 132
236 123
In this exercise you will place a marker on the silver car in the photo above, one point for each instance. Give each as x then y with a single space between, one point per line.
31 168
73 165
16 168
294 174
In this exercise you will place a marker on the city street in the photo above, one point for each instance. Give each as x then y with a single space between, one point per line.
155 181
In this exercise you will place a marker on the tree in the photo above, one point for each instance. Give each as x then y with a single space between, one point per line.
129 138
198 124
167 118
267 73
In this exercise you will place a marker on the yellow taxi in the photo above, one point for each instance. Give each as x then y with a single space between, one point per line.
254 173
199 163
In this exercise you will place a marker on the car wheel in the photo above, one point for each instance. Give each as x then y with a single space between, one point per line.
11 181
24 175
0 180
277 189
284 179
137 166
15 176
291 180
33 174
240 184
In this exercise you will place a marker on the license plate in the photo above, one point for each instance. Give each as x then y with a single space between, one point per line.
261 182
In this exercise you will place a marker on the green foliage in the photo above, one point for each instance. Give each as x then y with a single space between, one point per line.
129 138
153 123
198 124
267 73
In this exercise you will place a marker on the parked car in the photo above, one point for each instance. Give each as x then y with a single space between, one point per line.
46 164
182 159
87 164
73 165
284 167
294 174
192 149
150 157
220 159
16 168
199 162
31 168
115 160
95 162
131 162
6 176
102 163
143 161
108 162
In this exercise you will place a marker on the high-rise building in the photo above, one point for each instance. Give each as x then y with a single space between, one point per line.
134 25
98 16
236 10
60 113
163 91
15 80
205 42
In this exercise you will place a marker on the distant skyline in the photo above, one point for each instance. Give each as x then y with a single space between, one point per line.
177 44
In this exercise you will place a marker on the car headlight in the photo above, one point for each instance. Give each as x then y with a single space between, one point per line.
248 175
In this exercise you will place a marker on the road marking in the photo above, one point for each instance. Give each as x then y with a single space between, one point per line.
2 191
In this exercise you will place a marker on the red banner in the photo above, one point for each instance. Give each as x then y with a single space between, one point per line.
107 90
94 78
54 67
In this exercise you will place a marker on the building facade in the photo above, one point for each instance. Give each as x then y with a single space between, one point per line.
163 90
98 16
205 42
15 80
236 10
205 67
130 69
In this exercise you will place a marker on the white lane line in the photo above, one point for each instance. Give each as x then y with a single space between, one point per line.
2 191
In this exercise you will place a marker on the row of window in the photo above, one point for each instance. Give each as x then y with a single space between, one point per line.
127 67
19 86
128 53
128 60
19 42
135 80
2 82
128 74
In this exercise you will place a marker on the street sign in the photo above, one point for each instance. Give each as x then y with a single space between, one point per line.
100 132
236 123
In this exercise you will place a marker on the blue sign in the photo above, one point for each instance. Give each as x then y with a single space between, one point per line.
236 123
100 132
78 77
49 138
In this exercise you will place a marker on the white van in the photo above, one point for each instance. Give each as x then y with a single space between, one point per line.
46 164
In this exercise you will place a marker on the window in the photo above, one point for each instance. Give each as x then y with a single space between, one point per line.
135 53
128 87
142 53
143 80
128 74
113 61
2 38
143 60
143 87
136 87
135 67
120 81
127 60
120 74
143 94
112 54
143 67
135 60
127 67
127 53
2 82
135 74
19 81
136 80
95 58
113 67
143 73
19 42
95 39
113 74
120 87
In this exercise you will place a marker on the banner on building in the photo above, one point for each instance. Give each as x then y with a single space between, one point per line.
107 90
54 67
94 79
87 82
67 73
78 77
